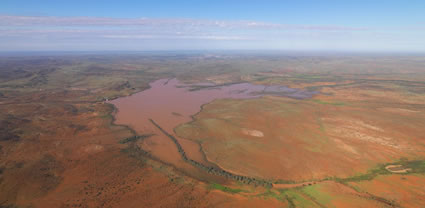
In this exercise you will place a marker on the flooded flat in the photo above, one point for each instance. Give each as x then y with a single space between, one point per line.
171 103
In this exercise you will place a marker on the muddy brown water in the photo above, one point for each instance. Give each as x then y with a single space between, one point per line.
171 103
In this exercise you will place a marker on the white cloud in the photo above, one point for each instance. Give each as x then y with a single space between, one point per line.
6 20
200 37
88 33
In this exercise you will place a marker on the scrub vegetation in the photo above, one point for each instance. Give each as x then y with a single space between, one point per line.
357 142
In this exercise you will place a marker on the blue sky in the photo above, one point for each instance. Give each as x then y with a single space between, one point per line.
196 25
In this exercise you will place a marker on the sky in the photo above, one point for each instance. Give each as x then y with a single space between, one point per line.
126 25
